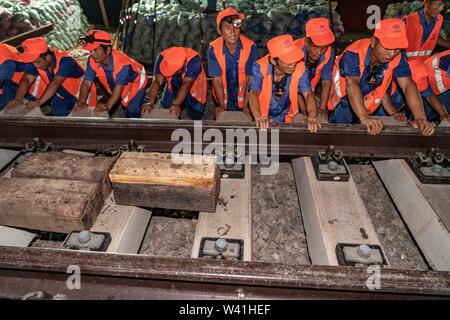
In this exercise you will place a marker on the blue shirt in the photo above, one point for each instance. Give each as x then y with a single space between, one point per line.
7 70
232 65
68 68
427 27
192 70
445 64
278 107
327 69
124 76
349 66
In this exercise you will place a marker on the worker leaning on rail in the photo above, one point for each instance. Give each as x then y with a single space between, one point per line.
186 85
51 75
11 72
230 62
423 29
319 59
124 79
363 73
276 85
394 102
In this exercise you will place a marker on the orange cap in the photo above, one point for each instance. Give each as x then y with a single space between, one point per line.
284 48
319 31
95 38
174 60
392 34
419 72
8 52
32 49
228 12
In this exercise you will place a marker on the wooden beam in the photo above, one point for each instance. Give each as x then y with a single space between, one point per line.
38 32
101 3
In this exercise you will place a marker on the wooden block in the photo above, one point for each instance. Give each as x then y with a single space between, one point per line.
61 165
7 156
333 213
127 226
154 180
232 219
159 113
424 208
21 111
89 113
390 121
48 204
234 116
11 237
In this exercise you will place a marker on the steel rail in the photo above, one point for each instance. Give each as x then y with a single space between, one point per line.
140 277
155 135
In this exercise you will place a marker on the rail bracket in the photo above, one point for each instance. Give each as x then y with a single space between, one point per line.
356 255
37 145
232 164
330 165
431 167
221 249
132 147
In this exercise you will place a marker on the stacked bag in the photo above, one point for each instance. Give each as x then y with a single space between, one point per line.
18 16
192 24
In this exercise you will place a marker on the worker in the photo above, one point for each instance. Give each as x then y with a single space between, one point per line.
423 29
55 76
439 76
363 74
181 69
394 102
276 84
319 59
123 78
230 62
11 72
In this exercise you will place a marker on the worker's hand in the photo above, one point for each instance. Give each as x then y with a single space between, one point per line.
400 117
30 105
374 126
322 114
427 128
79 106
218 111
176 110
102 107
445 117
262 122
147 107
13 103
247 111
313 124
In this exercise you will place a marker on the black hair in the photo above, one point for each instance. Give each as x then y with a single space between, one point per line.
105 47
44 55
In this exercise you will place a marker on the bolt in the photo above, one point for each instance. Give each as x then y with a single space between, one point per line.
437 169
221 245
84 236
364 251
333 166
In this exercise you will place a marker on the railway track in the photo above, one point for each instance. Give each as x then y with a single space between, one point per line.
116 276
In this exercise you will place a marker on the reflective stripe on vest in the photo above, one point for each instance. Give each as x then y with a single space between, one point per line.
339 87
319 68
247 44
438 78
414 32
265 95
199 87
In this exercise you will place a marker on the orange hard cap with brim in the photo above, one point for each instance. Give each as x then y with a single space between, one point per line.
228 12
284 48
392 34
8 52
32 49
95 38
174 60
419 73
319 31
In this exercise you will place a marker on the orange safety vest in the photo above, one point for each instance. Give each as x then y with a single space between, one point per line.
438 78
265 96
243 58
120 60
339 87
414 31
17 77
71 85
315 80
199 88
